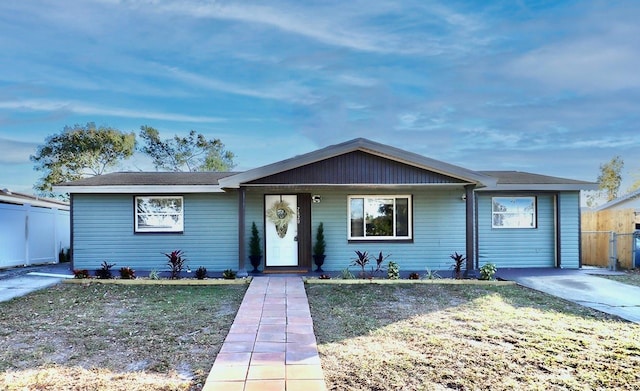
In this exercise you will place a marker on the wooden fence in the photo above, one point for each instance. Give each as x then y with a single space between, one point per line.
607 238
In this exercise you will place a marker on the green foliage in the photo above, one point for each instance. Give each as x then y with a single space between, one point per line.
346 274
201 273
81 273
127 273
431 275
610 177
393 271
104 273
176 263
154 275
62 256
229 274
78 152
488 271
414 276
458 261
255 247
191 153
320 244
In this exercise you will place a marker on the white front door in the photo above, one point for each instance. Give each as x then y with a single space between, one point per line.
281 231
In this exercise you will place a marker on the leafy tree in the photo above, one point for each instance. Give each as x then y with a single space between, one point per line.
191 153
610 177
80 152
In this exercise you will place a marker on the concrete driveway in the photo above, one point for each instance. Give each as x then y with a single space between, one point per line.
18 282
583 287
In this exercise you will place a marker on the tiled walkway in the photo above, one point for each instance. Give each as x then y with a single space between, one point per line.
271 345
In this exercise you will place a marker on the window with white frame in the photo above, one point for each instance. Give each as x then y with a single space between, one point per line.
384 217
159 214
513 212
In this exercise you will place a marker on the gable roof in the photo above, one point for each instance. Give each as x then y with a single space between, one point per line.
518 180
363 145
627 197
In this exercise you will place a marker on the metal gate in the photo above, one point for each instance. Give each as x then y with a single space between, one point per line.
610 249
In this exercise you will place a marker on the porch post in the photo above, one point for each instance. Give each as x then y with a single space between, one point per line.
470 234
242 255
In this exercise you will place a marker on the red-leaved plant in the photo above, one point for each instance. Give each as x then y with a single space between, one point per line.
176 263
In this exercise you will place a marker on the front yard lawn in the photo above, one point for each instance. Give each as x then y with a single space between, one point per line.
631 277
114 337
437 337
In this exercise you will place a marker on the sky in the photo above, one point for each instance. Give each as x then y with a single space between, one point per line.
550 87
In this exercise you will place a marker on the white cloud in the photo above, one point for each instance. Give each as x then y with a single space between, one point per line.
15 152
86 109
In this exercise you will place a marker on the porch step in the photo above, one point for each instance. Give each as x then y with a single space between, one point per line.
286 270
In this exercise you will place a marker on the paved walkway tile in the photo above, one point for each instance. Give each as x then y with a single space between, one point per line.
271 345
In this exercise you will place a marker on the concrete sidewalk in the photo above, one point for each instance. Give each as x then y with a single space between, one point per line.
18 282
582 286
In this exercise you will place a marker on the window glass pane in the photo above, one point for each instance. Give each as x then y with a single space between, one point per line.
159 214
402 217
379 217
357 217
513 212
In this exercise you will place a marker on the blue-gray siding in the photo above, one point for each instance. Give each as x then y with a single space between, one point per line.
507 247
570 229
438 228
103 230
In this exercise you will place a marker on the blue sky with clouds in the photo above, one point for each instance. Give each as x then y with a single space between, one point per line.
551 87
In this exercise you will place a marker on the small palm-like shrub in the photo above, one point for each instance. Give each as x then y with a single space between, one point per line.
229 274
201 273
176 263
81 273
104 273
127 273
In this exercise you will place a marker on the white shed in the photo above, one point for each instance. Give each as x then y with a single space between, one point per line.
33 230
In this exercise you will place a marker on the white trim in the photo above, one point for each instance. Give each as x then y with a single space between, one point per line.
533 214
178 229
34 202
540 187
364 197
139 189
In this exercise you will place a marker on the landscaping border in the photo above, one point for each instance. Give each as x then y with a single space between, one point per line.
443 281
140 281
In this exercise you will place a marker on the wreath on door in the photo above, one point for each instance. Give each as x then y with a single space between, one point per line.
280 214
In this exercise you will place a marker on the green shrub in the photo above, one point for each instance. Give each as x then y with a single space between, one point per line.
347 275
229 274
201 273
431 275
393 271
104 273
414 276
154 275
488 271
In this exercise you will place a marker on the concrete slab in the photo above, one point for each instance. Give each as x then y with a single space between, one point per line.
22 285
589 290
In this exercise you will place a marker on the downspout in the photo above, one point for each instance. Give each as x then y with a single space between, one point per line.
242 255
558 232
71 224
470 232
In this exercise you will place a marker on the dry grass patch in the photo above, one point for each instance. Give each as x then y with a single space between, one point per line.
631 277
437 337
114 337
